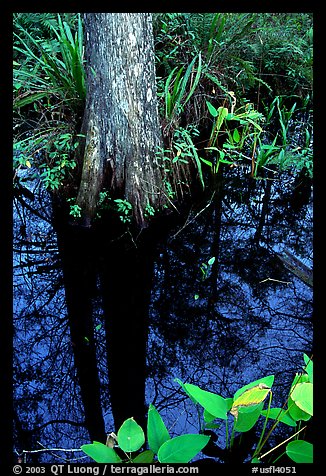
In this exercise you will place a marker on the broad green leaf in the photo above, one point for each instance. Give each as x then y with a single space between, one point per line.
182 449
211 261
213 403
101 453
212 109
268 381
308 367
130 436
185 390
251 396
146 456
246 417
208 417
157 432
236 135
281 415
300 451
296 413
302 395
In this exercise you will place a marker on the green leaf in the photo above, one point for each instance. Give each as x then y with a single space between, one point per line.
157 432
213 403
130 436
251 396
268 381
208 417
29 99
236 135
222 113
185 390
207 162
302 395
144 457
101 453
249 401
246 417
212 109
296 413
182 449
281 415
196 80
211 261
300 451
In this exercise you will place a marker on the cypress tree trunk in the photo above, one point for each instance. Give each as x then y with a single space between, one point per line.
78 256
121 121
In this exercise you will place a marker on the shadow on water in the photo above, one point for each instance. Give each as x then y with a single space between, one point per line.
88 354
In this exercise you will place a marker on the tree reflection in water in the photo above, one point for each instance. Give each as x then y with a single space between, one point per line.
250 317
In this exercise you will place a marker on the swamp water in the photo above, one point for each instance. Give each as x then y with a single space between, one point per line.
217 323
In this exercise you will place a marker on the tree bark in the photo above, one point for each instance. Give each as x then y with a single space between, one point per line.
121 121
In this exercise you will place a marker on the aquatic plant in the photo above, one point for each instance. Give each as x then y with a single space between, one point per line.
246 407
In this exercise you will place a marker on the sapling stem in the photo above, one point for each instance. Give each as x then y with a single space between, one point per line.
259 446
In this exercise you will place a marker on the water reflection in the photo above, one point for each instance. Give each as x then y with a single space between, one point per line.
253 319
246 318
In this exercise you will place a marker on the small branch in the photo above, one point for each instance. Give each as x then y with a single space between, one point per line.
285 441
193 219
47 449
275 280
51 450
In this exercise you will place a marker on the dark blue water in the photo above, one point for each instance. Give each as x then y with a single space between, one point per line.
247 317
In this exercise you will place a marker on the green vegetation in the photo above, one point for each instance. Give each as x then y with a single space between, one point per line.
245 408
231 88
